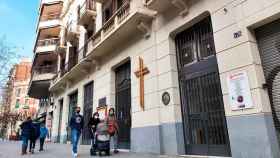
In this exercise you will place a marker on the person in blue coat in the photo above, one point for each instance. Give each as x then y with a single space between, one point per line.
43 134
26 128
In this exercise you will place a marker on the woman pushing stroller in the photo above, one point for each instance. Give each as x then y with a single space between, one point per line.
102 131
92 124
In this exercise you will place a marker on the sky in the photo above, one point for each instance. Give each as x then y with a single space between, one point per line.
18 20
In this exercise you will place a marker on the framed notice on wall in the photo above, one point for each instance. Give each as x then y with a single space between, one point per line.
239 91
102 110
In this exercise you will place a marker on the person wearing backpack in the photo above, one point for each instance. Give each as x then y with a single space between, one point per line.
43 134
113 128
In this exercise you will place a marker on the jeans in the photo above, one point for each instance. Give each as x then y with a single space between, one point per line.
115 141
42 141
75 136
24 141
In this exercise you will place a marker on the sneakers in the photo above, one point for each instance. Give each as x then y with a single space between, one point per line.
75 155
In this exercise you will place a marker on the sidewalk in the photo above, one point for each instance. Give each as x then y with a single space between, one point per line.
12 150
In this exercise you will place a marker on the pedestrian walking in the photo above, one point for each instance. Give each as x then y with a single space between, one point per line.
76 125
43 134
34 135
92 125
26 128
113 128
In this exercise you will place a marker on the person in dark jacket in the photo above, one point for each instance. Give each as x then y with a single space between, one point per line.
76 125
35 133
26 128
92 125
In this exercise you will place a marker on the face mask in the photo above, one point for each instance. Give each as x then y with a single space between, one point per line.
78 111
111 113
96 117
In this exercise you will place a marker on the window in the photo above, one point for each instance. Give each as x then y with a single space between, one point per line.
18 91
17 104
196 43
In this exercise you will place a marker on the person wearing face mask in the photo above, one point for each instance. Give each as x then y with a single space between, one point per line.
92 125
113 128
76 125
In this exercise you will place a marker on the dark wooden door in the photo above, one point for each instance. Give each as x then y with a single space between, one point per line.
73 100
205 127
123 104
88 107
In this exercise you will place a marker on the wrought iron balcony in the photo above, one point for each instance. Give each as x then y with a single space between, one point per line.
124 23
164 5
44 69
48 42
86 12
47 45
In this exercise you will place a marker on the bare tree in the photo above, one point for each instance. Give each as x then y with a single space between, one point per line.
8 57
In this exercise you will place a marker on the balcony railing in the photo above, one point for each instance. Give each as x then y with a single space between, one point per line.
73 61
121 14
45 69
53 16
163 5
88 5
48 42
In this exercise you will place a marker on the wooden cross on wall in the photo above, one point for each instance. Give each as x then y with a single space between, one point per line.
140 74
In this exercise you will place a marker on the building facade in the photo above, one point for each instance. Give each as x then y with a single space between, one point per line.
191 77
17 99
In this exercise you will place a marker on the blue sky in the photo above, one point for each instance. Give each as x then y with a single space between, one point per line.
18 23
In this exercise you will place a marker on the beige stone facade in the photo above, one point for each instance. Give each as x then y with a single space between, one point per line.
148 30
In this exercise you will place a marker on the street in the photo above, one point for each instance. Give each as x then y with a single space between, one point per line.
13 149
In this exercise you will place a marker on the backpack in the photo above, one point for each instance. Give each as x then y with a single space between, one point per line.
111 128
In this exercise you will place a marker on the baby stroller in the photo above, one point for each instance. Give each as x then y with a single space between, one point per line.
103 139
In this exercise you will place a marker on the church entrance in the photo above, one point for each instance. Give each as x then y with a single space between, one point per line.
205 127
123 104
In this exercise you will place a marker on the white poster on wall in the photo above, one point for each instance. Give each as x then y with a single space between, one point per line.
239 91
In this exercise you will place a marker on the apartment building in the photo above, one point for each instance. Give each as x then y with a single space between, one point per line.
44 66
17 99
191 77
